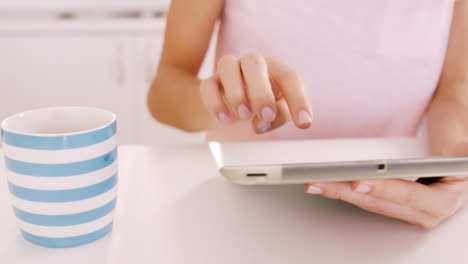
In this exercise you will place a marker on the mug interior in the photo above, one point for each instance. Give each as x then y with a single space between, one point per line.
58 121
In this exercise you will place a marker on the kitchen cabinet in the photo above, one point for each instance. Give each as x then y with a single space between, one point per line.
40 71
31 7
106 64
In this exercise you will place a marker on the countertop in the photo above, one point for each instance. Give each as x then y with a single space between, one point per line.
173 207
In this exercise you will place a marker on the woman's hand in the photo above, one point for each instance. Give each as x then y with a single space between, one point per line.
424 205
264 90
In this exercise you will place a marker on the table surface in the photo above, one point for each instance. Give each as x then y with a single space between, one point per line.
173 207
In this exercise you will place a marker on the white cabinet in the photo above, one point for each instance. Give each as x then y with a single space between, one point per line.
38 71
102 64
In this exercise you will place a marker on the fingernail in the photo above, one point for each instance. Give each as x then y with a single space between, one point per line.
363 188
263 127
223 117
314 190
304 118
268 115
243 111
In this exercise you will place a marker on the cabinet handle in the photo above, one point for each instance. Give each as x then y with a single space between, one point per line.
119 65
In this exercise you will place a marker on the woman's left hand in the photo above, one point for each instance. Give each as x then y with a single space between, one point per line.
424 205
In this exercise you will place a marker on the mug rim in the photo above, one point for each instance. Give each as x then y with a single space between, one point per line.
18 115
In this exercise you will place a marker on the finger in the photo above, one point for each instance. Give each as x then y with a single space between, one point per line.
459 149
456 148
258 87
458 190
231 78
292 88
434 201
210 91
343 191
283 117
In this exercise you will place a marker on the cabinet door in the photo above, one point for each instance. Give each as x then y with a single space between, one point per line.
148 49
38 70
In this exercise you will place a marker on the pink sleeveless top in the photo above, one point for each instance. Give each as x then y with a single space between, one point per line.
370 66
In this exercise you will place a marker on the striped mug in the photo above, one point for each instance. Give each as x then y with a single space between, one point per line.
61 165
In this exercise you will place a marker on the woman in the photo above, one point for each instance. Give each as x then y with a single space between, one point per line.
367 69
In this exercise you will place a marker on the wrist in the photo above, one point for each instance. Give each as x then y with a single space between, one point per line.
455 95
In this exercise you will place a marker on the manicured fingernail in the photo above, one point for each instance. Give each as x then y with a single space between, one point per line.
363 188
314 190
263 127
268 115
243 111
223 117
304 118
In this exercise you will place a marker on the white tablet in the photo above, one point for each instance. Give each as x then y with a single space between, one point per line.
294 162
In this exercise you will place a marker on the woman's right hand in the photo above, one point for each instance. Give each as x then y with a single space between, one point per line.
263 90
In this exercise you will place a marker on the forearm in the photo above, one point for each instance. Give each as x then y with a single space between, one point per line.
453 85
174 99
447 115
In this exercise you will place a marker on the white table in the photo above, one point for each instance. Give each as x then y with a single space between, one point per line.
173 207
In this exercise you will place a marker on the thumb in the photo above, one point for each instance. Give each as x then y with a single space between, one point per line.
459 149
282 117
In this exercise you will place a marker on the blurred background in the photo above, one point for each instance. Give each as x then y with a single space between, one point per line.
86 52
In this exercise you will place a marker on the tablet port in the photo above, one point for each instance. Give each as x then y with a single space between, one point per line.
381 167
256 174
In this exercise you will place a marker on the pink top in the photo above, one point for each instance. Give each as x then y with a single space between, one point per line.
370 66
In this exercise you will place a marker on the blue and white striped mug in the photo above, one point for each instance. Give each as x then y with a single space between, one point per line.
61 165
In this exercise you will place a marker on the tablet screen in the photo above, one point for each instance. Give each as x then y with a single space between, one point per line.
318 151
